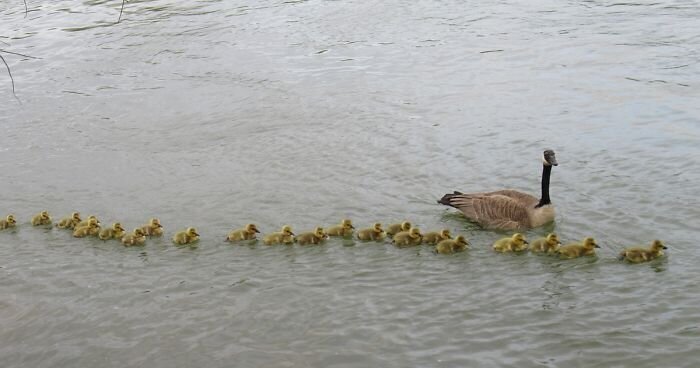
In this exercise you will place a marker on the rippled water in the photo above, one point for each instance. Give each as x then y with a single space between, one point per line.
217 113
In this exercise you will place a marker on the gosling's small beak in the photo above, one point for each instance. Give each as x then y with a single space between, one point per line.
665 247
256 230
526 242
159 225
352 227
292 233
596 245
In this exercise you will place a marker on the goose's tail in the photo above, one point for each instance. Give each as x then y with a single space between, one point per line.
447 197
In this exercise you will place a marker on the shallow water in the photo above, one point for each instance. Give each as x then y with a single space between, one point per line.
214 114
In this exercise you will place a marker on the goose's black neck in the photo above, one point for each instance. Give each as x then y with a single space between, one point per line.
544 200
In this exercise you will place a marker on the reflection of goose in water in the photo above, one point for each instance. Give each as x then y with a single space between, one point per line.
507 209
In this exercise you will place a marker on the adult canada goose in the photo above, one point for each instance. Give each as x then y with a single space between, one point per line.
640 254
508 209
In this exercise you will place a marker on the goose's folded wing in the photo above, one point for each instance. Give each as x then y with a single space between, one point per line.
492 211
524 198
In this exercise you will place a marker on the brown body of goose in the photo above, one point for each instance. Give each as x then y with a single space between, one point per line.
507 209
435 237
42 218
284 236
186 237
137 237
408 238
315 237
585 248
247 233
8 222
373 233
548 244
516 243
641 254
449 246
153 228
69 222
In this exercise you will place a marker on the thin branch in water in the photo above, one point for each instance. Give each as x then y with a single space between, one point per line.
120 11
18 54
26 9
10 73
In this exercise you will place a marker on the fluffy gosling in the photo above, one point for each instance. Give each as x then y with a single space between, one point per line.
549 244
375 233
516 243
247 233
69 222
449 246
8 222
315 237
640 254
394 229
435 237
284 236
153 228
137 237
408 238
42 218
92 228
114 232
85 222
186 237
344 229
575 250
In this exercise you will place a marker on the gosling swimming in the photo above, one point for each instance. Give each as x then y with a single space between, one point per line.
92 228
449 246
114 232
516 243
42 218
435 237
344 229
8 222
549 244
640 254
575 250
408 238
394 229
186 237
137 237
247 233
69 222
284 236
85 222
153 228
375 233
315 237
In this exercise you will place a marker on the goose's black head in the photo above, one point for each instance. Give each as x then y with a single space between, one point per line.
549 158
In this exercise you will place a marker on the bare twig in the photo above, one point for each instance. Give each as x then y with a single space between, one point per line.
18 54
10 73
26 9
121 11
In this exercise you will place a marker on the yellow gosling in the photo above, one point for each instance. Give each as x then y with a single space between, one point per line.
394 229
449 246
435 237
640 254
90 229
284 236
85 222
42 218
152 228
375 233
516 243
69 222
247 233
8 222
548 244
344 229
114 232
315 237
137 237
186 237
408 238
575 250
